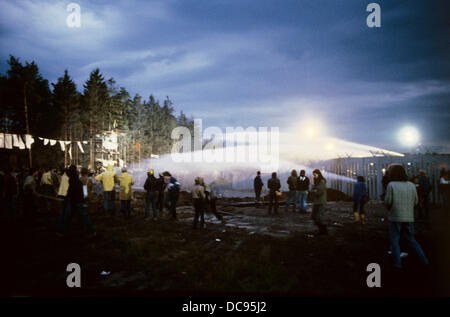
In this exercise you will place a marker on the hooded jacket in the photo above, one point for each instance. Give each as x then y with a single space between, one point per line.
125 182
108 179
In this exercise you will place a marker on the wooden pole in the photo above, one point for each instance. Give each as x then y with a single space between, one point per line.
30 158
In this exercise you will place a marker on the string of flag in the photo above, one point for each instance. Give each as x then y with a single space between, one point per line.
10 141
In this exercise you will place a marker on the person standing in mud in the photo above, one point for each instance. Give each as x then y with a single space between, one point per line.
258 186
359 200
320 200
152 195
76 199
109 180
160 185
125 181
292 196
274 186
198 198
210 200
425 186
401 197
173 193
302 190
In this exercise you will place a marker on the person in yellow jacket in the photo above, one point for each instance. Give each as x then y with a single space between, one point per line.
125 192
108 180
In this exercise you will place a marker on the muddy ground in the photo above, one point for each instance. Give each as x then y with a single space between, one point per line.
251 253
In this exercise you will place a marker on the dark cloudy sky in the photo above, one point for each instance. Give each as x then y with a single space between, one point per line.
256 62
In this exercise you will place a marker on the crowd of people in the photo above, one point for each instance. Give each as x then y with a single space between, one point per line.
403 197
74 189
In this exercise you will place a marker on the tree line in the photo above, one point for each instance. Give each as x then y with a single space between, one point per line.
30 105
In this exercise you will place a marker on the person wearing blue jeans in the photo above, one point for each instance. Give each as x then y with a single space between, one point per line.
301 198
396 229
302 190
109 201
401 197
150 200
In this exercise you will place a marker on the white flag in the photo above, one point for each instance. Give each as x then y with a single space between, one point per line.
8 141
81 148
62 144
17 142
29 140
53 142
2 140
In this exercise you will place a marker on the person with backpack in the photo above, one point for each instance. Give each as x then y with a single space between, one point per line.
302 190
274 186
292 195
152 195
258 186
173 193
359 198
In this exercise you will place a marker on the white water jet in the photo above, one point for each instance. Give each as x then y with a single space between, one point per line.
294 152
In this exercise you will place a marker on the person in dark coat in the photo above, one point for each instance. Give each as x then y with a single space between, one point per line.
274 186
359 199
9 192
320 199
425 187
151 198
173 193
75 199
292 196
160 186
302 190
258 186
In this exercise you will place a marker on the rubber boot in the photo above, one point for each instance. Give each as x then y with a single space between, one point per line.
356 216
363 218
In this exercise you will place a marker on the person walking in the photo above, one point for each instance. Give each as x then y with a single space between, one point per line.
292 195
401 196
109 180
125 181
198 198
258 186
302 190
359 200
151 198
274 185
320 199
